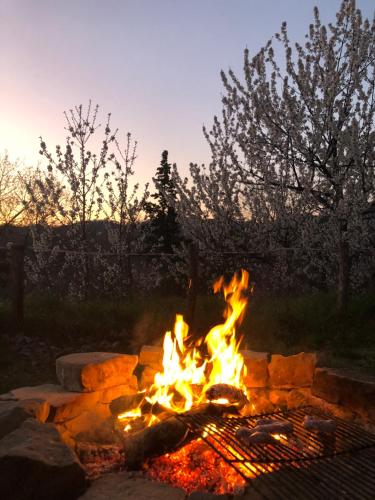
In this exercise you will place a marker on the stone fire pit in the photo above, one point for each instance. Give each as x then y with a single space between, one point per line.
47 430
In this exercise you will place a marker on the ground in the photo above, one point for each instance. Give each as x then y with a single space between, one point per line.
54 327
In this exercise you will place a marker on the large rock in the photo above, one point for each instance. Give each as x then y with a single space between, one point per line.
257 368
298 397
132 487
147 377
76 412
292 371
14 413
36 465
92 371
152 356
348 388
279 398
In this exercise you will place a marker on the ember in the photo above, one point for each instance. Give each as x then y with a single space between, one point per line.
196 467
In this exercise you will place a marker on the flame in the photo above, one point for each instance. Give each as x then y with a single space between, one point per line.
136 412
186 374
227 363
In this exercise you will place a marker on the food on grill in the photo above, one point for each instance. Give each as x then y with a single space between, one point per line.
276 427
266 421
225 391
312 423
248 437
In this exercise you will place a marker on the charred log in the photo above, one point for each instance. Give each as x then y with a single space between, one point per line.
126 403
153 441
225 391
166 436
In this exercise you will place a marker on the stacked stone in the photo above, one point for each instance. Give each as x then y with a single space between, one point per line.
150 363
278 382
38 425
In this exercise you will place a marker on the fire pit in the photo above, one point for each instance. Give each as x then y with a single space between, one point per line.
201 415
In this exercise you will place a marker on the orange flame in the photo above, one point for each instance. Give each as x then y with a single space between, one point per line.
185 370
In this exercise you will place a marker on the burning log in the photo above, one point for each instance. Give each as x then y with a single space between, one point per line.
129 403
126 403
225 391
165 436
156 440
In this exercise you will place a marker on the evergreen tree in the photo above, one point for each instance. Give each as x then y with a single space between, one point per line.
165 227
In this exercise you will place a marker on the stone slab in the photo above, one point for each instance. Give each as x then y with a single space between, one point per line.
92 371
347 388
298 397
14 413
132 487
279 397
256 364
36 464
152 356
76 411
147 377
247 354
292 371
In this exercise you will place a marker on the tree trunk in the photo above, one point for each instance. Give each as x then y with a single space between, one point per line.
343 273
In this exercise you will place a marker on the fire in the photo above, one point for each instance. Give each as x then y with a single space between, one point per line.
182 370
196 467
186 373
227 363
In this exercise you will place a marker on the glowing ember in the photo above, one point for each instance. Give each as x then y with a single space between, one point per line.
196 467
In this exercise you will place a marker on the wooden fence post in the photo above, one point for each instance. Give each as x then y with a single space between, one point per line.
193 285
16 282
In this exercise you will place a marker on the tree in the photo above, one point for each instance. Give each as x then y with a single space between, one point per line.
123 204
165 227
304 133
13 192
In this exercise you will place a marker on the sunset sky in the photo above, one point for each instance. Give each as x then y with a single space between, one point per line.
154 64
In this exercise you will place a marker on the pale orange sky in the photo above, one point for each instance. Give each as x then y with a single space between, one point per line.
154 64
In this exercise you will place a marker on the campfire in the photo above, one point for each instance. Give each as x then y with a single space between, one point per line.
210 369
197 426
199 377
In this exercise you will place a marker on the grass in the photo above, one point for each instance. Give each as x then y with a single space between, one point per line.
278 325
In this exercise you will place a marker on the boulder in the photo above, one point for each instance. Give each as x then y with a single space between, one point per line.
36 465
347 388
14 413
292 371
256 364
147 377
93 371
279 398
297 398
132 487
76 412
152 356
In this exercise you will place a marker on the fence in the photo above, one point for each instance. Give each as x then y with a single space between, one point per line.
12 264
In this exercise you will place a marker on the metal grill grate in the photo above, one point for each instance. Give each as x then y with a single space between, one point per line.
305 465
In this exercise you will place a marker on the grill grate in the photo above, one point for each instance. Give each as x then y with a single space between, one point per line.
305 465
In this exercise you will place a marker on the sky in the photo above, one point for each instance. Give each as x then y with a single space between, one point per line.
154 64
